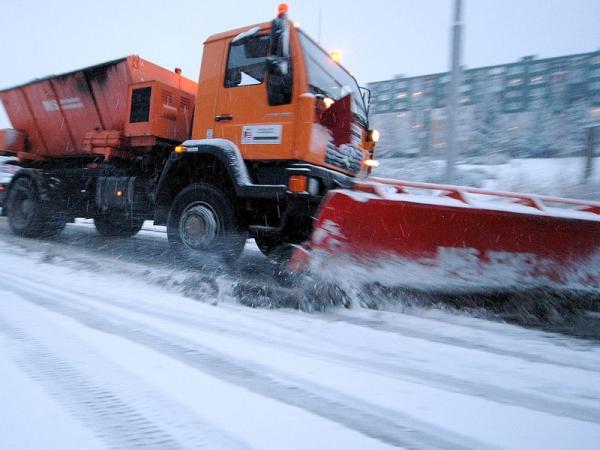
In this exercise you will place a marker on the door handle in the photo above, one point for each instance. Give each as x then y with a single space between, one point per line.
221 117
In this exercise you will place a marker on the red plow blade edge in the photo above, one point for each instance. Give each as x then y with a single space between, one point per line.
457 238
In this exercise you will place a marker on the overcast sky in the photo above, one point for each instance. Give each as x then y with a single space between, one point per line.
377 38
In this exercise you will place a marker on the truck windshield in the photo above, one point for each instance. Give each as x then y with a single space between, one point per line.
328 78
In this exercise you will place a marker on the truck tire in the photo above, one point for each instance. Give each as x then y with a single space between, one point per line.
28 216
114 226
202 226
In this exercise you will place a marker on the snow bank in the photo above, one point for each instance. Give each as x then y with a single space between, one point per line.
556 176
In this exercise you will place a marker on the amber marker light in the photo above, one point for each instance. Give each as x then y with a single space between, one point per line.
298 183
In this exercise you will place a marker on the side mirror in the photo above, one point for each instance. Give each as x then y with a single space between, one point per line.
280 38
279 82
366 96
280 79
276 65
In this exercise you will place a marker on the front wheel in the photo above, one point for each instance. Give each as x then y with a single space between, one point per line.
202 225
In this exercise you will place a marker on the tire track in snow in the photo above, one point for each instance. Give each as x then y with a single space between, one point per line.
105 410
440 380
458 342
389 426
112 419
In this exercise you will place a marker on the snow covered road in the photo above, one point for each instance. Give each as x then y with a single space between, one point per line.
104 344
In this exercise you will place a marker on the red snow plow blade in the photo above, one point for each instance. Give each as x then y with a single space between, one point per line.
456 238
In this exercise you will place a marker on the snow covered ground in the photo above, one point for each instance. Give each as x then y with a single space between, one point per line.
111 344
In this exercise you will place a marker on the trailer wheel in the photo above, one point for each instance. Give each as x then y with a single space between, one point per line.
202 226
114 226
27 215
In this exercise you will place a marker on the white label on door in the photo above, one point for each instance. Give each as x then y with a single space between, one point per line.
261 134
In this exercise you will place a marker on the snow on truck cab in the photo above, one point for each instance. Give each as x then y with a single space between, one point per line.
271 126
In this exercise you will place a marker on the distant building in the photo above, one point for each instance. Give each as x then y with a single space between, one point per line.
533 107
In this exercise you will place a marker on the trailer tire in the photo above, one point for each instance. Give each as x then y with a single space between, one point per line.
113 226
202 226
27 215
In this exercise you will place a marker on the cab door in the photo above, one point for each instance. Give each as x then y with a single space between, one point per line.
243 114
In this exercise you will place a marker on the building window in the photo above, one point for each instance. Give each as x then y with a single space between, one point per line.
538 67
515 70
536 103
515 106
537 93
537 79
560 75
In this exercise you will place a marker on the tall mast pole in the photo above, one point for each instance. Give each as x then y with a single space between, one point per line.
453 91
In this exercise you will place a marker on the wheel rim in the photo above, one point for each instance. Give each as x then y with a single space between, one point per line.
199 226
23 207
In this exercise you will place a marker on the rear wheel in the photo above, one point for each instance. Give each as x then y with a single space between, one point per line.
115 226
27 215
202 225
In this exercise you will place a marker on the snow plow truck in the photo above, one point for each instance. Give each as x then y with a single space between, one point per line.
272 143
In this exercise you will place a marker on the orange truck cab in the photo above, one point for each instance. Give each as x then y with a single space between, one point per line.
275 117
276 123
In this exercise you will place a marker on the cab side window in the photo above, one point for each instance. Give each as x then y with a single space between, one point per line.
247 62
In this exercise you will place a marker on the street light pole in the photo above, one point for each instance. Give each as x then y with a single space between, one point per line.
453 91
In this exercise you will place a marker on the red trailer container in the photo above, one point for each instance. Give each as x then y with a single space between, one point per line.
110 109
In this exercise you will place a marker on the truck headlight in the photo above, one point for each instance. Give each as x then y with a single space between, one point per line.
373 136
372 163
